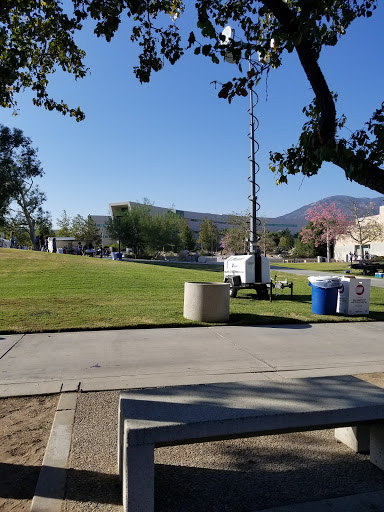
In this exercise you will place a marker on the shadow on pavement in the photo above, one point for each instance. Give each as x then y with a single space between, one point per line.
253 474
264 475
250 319
292 468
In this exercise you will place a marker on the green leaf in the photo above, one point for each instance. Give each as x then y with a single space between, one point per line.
206 49
223 93
191 39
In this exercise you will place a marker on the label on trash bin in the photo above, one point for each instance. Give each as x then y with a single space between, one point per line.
353 297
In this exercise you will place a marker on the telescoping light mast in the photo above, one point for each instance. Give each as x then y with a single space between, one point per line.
237 269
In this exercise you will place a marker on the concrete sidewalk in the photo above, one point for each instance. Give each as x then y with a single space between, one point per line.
120 359
377 282
105 361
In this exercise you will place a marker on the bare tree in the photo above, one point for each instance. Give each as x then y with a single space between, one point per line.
364 227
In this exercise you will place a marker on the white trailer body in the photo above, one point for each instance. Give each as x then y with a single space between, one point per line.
244 267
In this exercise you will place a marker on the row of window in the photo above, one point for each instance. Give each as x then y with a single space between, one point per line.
214 221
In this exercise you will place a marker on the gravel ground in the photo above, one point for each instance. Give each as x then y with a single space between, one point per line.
241 475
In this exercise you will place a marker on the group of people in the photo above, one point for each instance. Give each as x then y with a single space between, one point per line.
41 244
354 257
91 251
15 245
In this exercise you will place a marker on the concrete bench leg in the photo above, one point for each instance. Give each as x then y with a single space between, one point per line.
138 478
120 443
136 471
377 445
357 438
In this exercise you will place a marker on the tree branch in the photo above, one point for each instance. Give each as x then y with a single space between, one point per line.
308 59
358 169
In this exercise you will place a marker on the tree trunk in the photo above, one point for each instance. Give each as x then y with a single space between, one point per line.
31 222
308 60
32 233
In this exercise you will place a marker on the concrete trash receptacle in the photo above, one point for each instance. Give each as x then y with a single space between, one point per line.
206 302
324 294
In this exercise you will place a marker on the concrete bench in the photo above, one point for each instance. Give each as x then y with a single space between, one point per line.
192 414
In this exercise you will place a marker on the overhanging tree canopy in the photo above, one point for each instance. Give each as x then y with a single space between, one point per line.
19 166
39 36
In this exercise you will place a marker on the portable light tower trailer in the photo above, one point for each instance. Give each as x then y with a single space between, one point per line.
250 270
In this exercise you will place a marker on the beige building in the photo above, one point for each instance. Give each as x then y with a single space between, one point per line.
101 221
194 219
344 246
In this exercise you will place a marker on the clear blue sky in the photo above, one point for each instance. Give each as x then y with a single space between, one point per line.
176 143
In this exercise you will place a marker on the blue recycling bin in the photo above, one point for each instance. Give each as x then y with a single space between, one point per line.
324 294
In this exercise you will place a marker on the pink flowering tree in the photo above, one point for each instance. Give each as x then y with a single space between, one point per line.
328 222
234 239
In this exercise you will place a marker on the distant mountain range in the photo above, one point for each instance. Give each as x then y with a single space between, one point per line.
296 219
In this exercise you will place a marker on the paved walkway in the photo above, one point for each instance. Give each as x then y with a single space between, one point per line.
120 359
375 281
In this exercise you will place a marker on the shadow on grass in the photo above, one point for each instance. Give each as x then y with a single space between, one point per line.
377 316
190 266
276 298
294 298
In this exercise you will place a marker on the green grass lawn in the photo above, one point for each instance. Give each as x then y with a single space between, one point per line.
53 292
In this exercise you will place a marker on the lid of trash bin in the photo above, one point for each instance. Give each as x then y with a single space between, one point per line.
325 281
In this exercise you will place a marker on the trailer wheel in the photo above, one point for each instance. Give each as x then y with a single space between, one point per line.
262 292
232 292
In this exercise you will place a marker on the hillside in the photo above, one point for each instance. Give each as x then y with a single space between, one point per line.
296 220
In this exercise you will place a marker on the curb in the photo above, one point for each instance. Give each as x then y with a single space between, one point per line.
50 488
